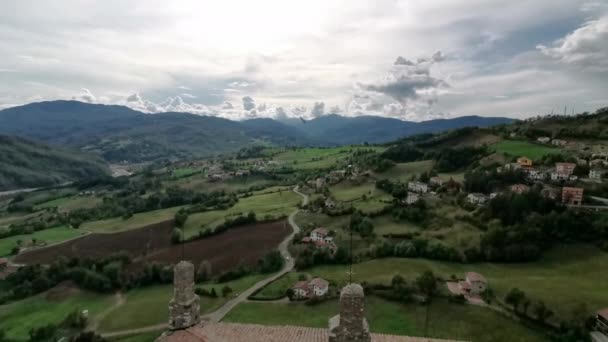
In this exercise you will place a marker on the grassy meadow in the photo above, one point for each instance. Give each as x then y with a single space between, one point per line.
48 236
519 148
561 278
262 203
445 320
70 203
404 171
17 318
118 224
148 306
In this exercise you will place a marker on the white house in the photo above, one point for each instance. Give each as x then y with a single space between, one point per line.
300 290
559 142
319 234
412 198
559 176
595 174
477 198
318 287
477 282
543 140
535 174
418 187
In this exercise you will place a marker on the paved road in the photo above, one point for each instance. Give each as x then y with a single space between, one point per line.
220 313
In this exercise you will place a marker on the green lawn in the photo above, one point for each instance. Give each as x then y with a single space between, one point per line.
184 172
385 225
51 235
446 320
118 224
16 319
562 278
404 171
273 204
278 288
148 306
70 203
518 148
346 192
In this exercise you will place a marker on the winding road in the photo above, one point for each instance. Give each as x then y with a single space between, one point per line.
221 312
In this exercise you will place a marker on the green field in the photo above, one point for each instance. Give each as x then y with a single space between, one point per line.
561 278
16 319
374 198
261 203
51 235
318 158
70 203
118 224
445 320
519 148
184 172
278 288
404 171
148 306
386 225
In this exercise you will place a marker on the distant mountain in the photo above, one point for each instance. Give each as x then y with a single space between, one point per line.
119 133
375 129
24 164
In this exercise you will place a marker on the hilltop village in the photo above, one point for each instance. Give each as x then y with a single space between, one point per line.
473 234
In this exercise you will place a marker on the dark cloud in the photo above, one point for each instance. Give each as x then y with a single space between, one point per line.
227 105
438 57
335 110
248 103
403 61
318 109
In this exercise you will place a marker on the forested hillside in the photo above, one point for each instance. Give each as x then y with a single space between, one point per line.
24 164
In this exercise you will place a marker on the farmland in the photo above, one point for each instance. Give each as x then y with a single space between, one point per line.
560 278
446 320
518 148
17 318
405 171
318 158
269 202
42 237
148 306
70 203
153 243
118 224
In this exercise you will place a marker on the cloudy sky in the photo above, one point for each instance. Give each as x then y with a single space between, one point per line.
409 59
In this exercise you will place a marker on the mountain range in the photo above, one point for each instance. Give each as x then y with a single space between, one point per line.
118 133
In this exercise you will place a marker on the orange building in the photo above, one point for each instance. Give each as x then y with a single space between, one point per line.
524 161
572 196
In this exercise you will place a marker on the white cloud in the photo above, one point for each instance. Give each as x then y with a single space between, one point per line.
85 96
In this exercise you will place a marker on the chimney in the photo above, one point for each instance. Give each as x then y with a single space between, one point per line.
350 325
184 308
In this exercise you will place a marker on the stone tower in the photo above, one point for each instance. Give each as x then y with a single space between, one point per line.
184 308
350 325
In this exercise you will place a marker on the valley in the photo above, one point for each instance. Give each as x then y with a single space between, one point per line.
429 206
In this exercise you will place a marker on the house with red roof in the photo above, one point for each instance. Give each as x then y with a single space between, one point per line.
316 287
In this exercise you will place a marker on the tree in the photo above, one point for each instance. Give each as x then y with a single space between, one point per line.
427 283
515 297
542 312
291 294
397 280
213 293
180 218
526 305
176 236
203 273
226 290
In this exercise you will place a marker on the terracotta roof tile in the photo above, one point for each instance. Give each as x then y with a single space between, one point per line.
235 332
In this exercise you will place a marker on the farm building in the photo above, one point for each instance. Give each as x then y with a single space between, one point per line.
438 181
596 174
519 188
543 140
572 196
559 142
412 198
418 187
300 290
565 168
524 161
477 198
477 283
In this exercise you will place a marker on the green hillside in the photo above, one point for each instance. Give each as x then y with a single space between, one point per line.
25 164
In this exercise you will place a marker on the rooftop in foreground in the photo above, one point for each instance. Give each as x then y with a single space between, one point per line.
236 332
